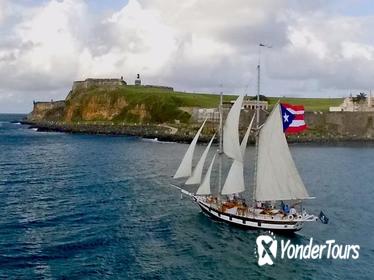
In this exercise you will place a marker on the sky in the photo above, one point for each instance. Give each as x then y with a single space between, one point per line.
319 48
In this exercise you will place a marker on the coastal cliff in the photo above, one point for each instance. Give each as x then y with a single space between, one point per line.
112 100
51 111
111 106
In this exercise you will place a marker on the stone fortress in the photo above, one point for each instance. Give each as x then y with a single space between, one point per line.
41 108
98 82
349 105
109 83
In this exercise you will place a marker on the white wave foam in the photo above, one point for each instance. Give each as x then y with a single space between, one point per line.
155 140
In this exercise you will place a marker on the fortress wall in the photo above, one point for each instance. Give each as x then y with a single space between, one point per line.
96 82
355 124
108 83
47 110
320 124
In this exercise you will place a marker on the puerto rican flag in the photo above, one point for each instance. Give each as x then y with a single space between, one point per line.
292 118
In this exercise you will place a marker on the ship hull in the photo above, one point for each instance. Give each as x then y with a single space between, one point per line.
250 222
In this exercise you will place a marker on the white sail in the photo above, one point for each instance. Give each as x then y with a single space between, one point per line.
198 171
185 168
204 188
277 176
243 145
235 179
231 144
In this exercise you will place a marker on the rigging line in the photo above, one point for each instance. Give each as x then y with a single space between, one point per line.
245 91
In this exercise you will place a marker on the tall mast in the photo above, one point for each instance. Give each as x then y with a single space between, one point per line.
220 143
258 88
257 125
257 118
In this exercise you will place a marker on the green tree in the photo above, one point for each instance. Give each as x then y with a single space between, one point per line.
361 97
262 98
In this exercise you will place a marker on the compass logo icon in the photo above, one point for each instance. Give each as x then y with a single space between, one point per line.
266 249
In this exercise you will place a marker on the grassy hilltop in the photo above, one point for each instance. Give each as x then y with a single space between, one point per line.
311 104
140 104
138 95
135 104
146 111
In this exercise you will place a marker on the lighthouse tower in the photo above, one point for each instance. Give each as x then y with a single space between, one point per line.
369 100
138 81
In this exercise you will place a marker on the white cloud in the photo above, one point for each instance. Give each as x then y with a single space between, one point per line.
42 50
332 52
191 45
136 40
3 10
351 50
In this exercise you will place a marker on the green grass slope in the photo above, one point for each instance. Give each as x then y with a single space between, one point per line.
311 104
161 105
164 106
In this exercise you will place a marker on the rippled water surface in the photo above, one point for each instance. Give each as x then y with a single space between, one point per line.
100 207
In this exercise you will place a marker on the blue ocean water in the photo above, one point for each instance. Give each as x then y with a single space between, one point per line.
100 207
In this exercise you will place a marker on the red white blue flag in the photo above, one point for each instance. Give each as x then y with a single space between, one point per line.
292 118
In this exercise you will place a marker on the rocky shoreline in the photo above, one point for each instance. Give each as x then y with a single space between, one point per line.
161 132
184 134
101 106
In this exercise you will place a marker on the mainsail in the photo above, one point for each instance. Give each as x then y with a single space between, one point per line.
204 188
231 146
198 171
277 176
185 168
243 145
235 179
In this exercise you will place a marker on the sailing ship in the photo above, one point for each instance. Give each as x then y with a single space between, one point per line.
276 181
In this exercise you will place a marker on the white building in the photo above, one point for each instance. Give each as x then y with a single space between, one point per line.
349 106
251 104
370 101
209 114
